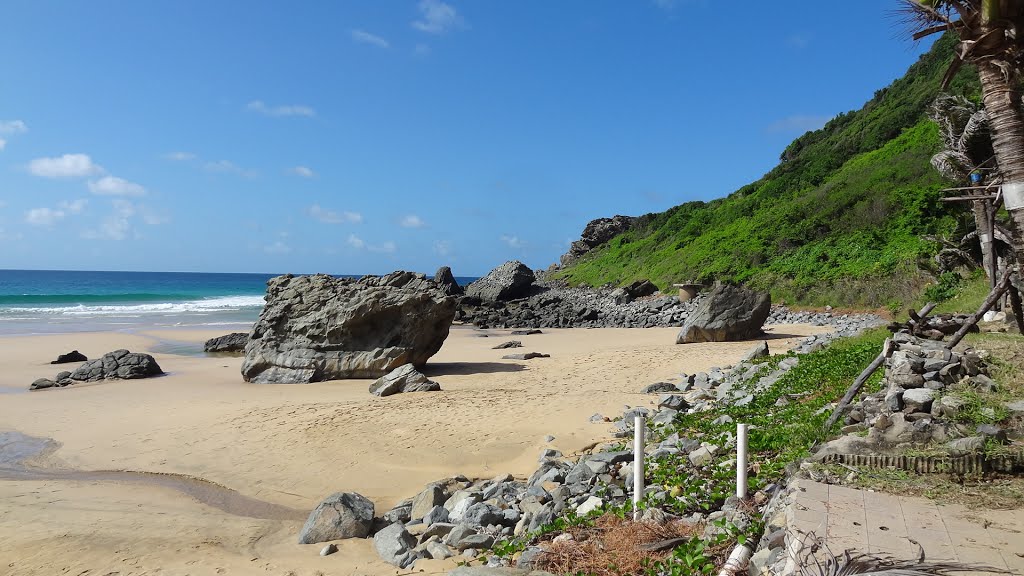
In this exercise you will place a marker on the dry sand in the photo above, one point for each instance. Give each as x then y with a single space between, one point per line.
294 444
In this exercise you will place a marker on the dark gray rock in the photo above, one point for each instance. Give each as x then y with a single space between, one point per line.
234 342
73 356
759 351
119 364
526 332
395 546
659 387
339 516
511 280
424 502
596 233
525 356
729 313
482 514
918 400
509 344
446 282
317 328
42 384
403 379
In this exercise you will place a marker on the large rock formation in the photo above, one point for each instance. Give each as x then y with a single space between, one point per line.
234 342
405 378
316 328
446 282
339 516
511 280
728 313
597 232
117 364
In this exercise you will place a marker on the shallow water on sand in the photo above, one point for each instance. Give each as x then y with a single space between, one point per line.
17 450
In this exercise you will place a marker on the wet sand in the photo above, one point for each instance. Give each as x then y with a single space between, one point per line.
288 446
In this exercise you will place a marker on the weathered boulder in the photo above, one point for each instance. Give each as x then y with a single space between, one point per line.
446 282
596 233
511 280
405 378
339 516
73 356
42 384
234 342
316 328
640 288
395 546
729 313
120 364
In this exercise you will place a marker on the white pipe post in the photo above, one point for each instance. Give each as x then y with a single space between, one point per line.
638 464
741 461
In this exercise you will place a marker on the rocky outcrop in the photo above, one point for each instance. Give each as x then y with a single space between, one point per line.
729 313
446 282
73 356
316 328
596 233
119 364
511 280
116 365
403 379
234 342
339 516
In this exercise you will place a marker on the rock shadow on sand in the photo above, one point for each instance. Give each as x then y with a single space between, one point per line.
469 368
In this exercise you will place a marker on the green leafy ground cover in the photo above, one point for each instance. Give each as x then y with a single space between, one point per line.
839 221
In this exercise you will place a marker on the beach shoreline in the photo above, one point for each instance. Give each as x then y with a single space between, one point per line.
293 444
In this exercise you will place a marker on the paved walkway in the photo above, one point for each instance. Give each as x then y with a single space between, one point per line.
864 521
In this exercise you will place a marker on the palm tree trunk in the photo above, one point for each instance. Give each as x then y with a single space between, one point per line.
1002 104
984 227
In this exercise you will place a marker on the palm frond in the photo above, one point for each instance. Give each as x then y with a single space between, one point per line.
848 564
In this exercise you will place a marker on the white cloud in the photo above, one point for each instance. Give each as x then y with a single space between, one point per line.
277 248
73 206
326 216
116 226
385 248
3 144
114 186
288 110
228 167
412 221
66 166
442 247
179 156
798 123
43 216
304 171
363 37
513 241
436 17
421 49
355 242
7 236
13 127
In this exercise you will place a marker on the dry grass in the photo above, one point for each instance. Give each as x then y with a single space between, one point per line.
613 546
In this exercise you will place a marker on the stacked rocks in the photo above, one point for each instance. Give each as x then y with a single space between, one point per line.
116 365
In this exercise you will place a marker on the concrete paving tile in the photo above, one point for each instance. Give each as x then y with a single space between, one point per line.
810 527
986 555
814 490
906 551
847 527
931 536
881 501
924 525
1013 561
844 494
812 504
808 515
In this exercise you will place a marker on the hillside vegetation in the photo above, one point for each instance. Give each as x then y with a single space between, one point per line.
841 220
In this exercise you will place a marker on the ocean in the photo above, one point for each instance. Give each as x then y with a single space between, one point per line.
58 301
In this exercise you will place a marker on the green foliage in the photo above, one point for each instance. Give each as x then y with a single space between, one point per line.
947 287
837 221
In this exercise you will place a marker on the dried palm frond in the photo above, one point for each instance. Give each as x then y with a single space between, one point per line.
880 565
963 127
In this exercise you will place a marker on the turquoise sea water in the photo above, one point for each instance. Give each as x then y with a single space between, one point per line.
53 301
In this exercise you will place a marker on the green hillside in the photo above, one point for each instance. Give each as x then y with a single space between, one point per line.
839 221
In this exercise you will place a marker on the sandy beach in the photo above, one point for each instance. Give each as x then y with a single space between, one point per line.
291 445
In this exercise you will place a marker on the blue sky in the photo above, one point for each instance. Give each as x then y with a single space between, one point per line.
364 137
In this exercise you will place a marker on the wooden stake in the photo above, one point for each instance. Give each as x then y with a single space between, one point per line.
993 296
